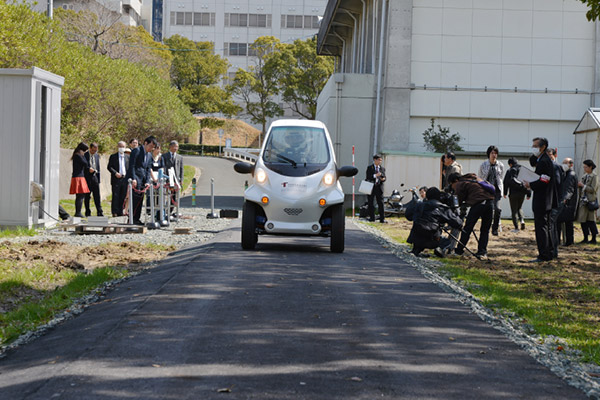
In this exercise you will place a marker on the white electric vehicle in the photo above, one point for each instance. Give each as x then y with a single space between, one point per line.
296 189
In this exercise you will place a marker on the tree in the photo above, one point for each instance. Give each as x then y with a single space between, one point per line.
594 9
103 99
196 72
258 86
114 39
305 77
93 26
441 141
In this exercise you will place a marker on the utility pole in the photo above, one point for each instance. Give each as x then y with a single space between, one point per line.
50 9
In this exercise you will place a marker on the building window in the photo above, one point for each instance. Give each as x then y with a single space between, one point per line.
189 18
299 21
236 49
252 20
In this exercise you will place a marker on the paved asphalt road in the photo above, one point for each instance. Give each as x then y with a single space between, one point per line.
288 321
229 185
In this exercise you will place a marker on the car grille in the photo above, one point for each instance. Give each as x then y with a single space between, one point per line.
293 211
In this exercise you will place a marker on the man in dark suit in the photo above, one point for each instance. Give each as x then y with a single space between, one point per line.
138 172
173 160
545 197
118 164
92 177
376 174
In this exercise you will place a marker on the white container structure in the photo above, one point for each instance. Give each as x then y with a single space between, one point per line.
587 139
30 151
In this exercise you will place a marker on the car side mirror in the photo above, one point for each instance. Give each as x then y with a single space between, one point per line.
244 168
347 171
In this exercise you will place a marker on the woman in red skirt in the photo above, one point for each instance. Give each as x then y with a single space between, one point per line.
79 186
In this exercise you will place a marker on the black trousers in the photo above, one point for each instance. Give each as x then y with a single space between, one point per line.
94 187
138 200
497 211
485 211
516 211
119 193
544 232
376 194
568 232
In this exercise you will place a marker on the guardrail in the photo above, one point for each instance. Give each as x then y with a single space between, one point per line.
242 154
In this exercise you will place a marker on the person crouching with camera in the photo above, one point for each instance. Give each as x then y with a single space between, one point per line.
429 217
470 192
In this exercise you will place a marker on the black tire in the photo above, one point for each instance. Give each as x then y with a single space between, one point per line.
338 227
249 235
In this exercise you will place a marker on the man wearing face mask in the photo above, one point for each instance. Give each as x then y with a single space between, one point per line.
118 164
545 197
568 204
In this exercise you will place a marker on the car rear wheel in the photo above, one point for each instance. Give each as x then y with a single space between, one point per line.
338 227
249 235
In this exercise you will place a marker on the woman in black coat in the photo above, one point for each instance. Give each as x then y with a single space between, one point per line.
79 185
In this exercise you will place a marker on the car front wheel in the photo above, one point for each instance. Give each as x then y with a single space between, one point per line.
338 227
249 235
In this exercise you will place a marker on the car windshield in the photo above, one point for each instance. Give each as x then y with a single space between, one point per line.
296 151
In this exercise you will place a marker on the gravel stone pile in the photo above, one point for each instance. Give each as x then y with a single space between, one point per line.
202 230
543 349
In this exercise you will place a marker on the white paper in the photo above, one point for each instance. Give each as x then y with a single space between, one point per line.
366 187
525 174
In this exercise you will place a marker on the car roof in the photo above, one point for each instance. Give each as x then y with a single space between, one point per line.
298 122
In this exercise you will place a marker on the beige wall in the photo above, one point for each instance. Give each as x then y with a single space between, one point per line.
348 123
66 169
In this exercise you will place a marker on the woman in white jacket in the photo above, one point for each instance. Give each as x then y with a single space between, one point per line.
492 170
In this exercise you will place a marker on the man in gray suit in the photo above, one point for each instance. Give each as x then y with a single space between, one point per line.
173 160
92 176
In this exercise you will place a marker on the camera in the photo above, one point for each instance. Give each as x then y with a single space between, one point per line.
450 200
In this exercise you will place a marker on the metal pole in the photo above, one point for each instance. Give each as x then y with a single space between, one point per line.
353 185
178 196
193 192
163 221
212 197
152 224
50 9
212 200
130 193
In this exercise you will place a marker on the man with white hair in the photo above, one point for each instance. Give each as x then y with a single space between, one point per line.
118 163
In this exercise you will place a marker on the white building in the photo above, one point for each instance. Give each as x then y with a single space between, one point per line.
232 25
129 11
497 72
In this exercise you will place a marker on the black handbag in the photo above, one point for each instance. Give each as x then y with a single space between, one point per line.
592 205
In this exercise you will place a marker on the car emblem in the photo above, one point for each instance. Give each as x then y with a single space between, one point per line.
284 184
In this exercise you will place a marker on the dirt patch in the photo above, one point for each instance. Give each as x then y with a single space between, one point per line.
28 271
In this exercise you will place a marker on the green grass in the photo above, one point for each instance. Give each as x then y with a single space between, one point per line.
188 173
31 314
538 301
17 231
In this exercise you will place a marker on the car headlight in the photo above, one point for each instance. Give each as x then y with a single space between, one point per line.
329 178
261 175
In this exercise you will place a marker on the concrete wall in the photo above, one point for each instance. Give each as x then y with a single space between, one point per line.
544 49
66 170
